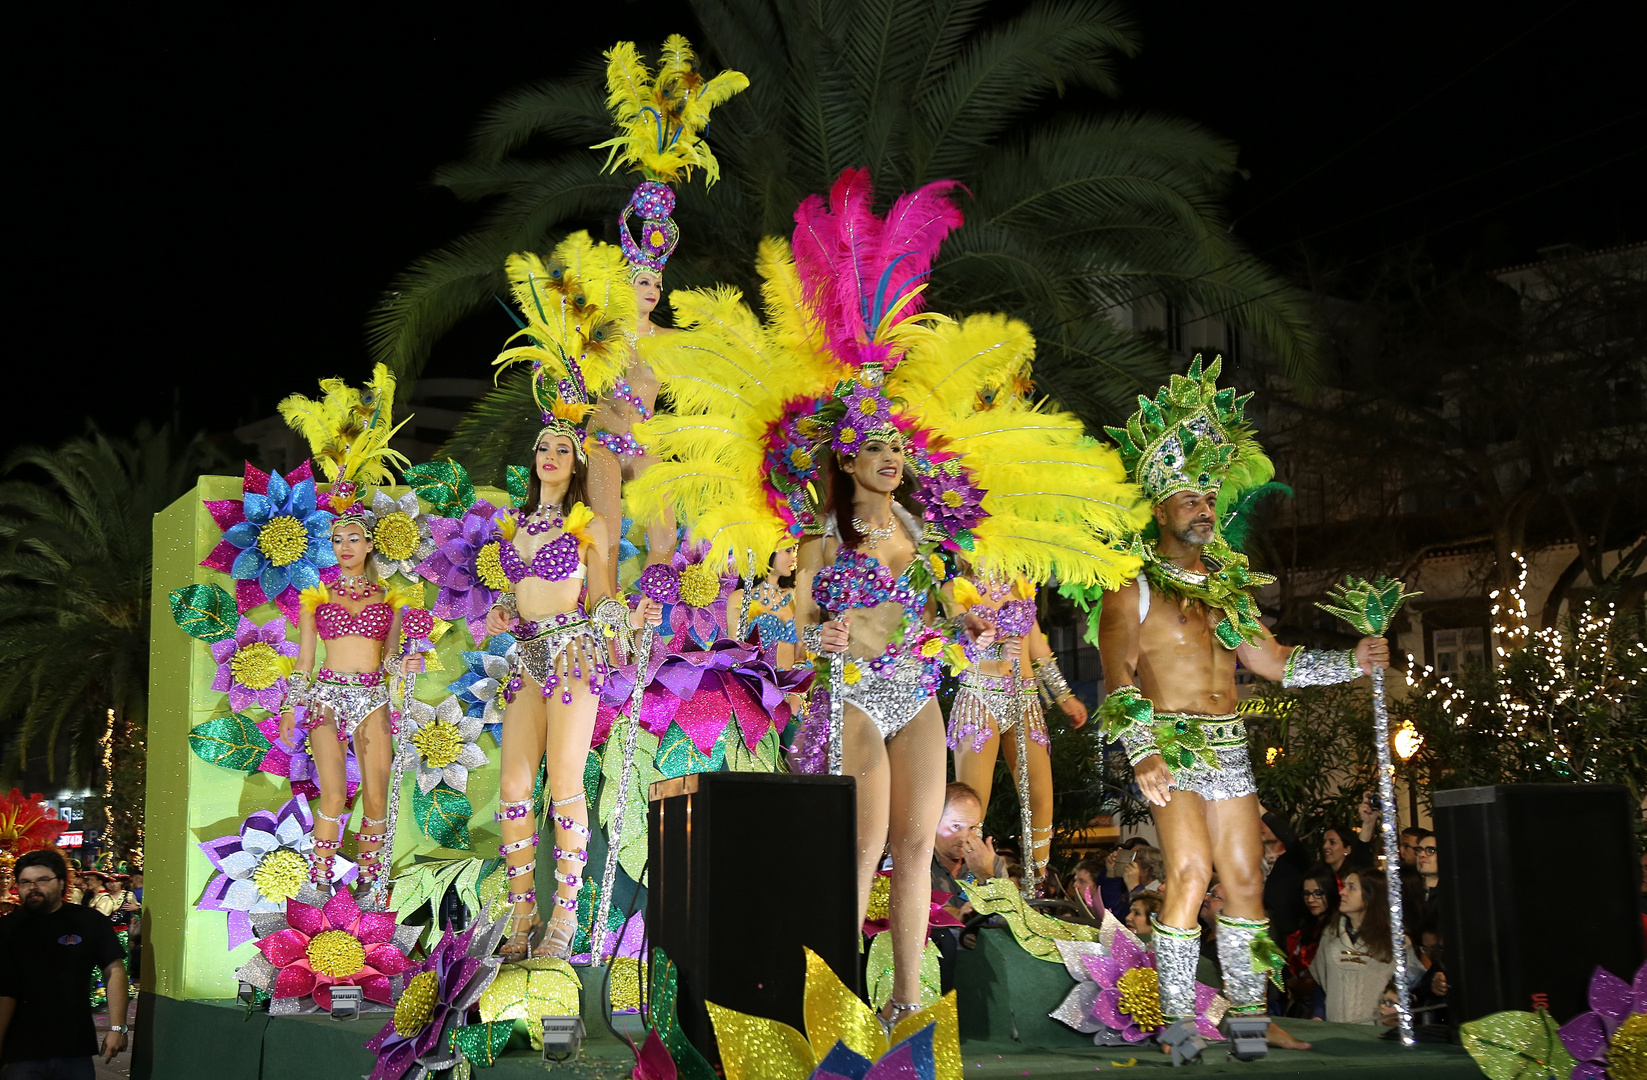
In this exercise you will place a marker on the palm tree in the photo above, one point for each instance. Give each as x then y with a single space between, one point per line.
76 550
1073 211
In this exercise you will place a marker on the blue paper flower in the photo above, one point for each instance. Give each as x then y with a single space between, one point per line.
480 687
282 543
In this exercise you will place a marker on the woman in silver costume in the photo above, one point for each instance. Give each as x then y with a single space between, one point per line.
348 699
854 598
554 554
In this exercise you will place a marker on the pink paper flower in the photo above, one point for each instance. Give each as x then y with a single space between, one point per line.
335 945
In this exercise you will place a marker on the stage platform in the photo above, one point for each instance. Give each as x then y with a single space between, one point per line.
1003 995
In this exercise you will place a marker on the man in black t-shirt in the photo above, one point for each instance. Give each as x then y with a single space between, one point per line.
47 952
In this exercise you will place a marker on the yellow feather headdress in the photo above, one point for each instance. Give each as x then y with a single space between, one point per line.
349 432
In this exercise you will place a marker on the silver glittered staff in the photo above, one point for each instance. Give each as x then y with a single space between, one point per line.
378 898
1025 817
1369 607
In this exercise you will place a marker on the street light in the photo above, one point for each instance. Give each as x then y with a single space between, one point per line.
1407 740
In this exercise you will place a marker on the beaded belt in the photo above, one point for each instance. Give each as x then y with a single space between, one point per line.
530 629
350 678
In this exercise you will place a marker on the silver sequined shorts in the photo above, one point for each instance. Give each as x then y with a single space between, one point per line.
1232 778
891 703
346 699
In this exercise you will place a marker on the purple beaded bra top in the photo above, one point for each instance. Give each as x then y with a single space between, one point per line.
555 561
859 580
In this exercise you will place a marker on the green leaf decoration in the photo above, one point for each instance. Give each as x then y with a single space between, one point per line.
232 741
425 882
1034 932
1517 1046
482 1043
444 485
206 612
679 756
443 815
1368 606
632 845
689 1063
515 481
878 972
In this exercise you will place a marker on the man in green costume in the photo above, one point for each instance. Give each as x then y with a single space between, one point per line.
1170 639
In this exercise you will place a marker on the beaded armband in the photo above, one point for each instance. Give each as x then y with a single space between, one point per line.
1129 716
508 602
299 685
1051 679
812 638
1320 667
988 652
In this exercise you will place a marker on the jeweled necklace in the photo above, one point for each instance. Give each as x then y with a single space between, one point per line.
543 519
356 586
873 535
772 597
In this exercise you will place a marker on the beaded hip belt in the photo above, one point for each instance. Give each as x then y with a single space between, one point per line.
349 678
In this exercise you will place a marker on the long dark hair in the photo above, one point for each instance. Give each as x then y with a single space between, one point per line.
1374 932
1313 927
576 492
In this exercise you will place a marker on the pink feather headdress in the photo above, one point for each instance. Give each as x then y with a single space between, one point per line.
864 274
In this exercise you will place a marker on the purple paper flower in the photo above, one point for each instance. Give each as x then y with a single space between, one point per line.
458 547
439 993
951 501
264 865
1589 1036
867 411
1129 997
249 665
700 605
297 767
276 541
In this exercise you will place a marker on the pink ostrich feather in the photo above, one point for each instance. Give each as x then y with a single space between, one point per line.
856 267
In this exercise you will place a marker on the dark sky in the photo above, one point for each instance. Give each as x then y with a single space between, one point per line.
221 198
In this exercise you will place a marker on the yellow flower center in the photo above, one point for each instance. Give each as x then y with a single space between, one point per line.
880 898
931 647
699 585
800 459
395 536
336 953
489 566
850 674
937 564
868 406
951 498
1141 997
283 540
256 666
1627 1053
280 875
656 239
848 436
416 1006
440 743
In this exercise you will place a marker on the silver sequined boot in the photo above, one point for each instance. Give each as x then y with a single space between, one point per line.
1176 953
1247 955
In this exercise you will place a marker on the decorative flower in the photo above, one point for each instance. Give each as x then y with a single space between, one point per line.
439 993
440 739
1611 1039
453 566
866 408
276 541
318 948
297 767
701 605
401 538
480 687
878 918
1129 996
264 865
951 501
252 666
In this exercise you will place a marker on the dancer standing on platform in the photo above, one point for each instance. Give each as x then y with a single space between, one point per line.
561 605
347 702
660 121
848 389
1170 640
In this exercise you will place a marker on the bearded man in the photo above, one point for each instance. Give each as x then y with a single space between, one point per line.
1170 639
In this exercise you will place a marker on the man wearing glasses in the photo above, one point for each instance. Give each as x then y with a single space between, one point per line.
47 952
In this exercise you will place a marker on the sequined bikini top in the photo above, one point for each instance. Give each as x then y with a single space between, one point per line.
333 621
773 628
859 580
555 561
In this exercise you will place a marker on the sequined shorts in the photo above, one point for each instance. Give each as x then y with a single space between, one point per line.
891 702
348 696
983 706
541 646
1227 738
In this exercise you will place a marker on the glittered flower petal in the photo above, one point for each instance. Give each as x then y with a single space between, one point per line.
301 916
295 981
375 928
284 947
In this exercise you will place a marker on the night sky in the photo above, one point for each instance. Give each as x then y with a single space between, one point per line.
225 197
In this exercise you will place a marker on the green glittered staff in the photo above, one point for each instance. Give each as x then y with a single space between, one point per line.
1369 607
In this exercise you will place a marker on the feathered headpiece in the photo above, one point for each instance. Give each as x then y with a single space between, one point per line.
845 351
1193 437
660 120
580 317
349 432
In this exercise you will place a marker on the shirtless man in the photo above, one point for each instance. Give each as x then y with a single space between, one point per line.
1170 639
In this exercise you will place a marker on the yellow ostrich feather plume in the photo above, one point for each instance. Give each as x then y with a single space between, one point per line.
660 118
578 306
349 430
947 366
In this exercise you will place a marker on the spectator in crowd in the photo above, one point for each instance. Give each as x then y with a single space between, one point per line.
1320 896
47 951
1357 952
1342 851
1284 866
1424 898
1141 872
1409 849
1139 914
1389 1006
1086 887
1112 884
960 851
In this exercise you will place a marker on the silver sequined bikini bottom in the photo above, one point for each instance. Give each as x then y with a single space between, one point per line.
349 697
983 706
891 703
541 645
1227 738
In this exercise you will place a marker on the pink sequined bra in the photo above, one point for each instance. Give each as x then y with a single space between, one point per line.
333 621
555 561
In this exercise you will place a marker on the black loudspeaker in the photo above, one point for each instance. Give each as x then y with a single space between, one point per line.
1539 884
747 869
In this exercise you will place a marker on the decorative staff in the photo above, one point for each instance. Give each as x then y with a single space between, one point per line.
1369 607
748 597
378 898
